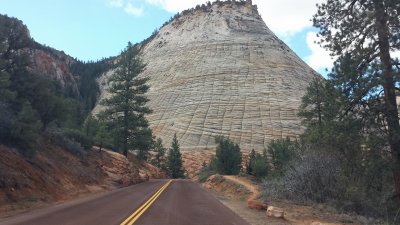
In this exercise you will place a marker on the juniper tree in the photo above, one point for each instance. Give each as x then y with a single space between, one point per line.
126 108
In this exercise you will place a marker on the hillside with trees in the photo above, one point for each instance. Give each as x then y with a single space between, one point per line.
47 130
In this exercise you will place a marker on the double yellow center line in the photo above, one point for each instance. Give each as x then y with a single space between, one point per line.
135 215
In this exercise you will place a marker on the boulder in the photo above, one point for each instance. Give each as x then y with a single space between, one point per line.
254 204
275 212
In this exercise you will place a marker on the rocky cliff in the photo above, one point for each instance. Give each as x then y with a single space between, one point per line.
20 51
39 59
219 70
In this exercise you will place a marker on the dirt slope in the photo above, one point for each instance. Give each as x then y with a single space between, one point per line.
236 191
55 174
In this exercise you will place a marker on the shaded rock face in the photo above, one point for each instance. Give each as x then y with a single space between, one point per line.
53 64
41 60
221 71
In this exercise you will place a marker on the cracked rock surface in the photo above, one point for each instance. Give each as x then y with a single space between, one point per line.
221 71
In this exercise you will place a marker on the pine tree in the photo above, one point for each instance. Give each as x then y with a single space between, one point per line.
174 160
252 157
90 126
27 129
126 107
102 136
363 33
228 156
260 166
5 93
160 153
143 142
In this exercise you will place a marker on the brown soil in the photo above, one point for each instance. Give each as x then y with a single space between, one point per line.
193 161
56 175
235 191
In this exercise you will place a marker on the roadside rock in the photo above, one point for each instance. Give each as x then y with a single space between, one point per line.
255 204
275 212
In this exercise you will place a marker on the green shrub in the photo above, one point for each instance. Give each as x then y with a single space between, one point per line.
80 137
282 152
260 166
228 156
207 170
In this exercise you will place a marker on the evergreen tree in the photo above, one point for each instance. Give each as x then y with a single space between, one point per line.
321 103
143 142
26 131
126 107
363 33
160 153
174 160
330 129
5 93
228 156
252 157
282 152
102 136
90 126
260 166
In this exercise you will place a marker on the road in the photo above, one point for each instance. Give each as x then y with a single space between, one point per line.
175 202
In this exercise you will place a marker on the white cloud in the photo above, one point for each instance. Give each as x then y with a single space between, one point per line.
130 9
284 17
127 6
116 3
319 58
176 5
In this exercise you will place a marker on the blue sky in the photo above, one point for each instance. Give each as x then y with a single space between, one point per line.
92 29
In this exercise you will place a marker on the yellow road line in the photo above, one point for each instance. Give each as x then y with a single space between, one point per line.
135 215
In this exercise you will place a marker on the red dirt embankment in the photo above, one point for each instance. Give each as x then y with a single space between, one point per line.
241 195
55 174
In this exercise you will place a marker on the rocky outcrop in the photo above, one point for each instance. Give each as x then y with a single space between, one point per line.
53 64
219 70
38 59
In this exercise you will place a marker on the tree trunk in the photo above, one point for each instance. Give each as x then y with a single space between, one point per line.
392 117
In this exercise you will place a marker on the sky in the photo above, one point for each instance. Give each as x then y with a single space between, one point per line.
93 29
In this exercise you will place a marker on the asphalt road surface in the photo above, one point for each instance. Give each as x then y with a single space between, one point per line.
156 202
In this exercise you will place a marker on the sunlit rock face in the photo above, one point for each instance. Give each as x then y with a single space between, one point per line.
219 70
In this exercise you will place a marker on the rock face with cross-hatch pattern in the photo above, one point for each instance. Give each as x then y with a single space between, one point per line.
219 70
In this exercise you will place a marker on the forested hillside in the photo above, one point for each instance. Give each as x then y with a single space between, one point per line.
43 91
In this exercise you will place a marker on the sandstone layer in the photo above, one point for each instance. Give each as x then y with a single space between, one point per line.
219 70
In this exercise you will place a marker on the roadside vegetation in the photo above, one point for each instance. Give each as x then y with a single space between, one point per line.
174 160
349 154
35 108
227 160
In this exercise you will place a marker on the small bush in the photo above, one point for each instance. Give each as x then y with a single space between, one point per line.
59 138
282 151
260 166
313 177
80 137
207 170
323 178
